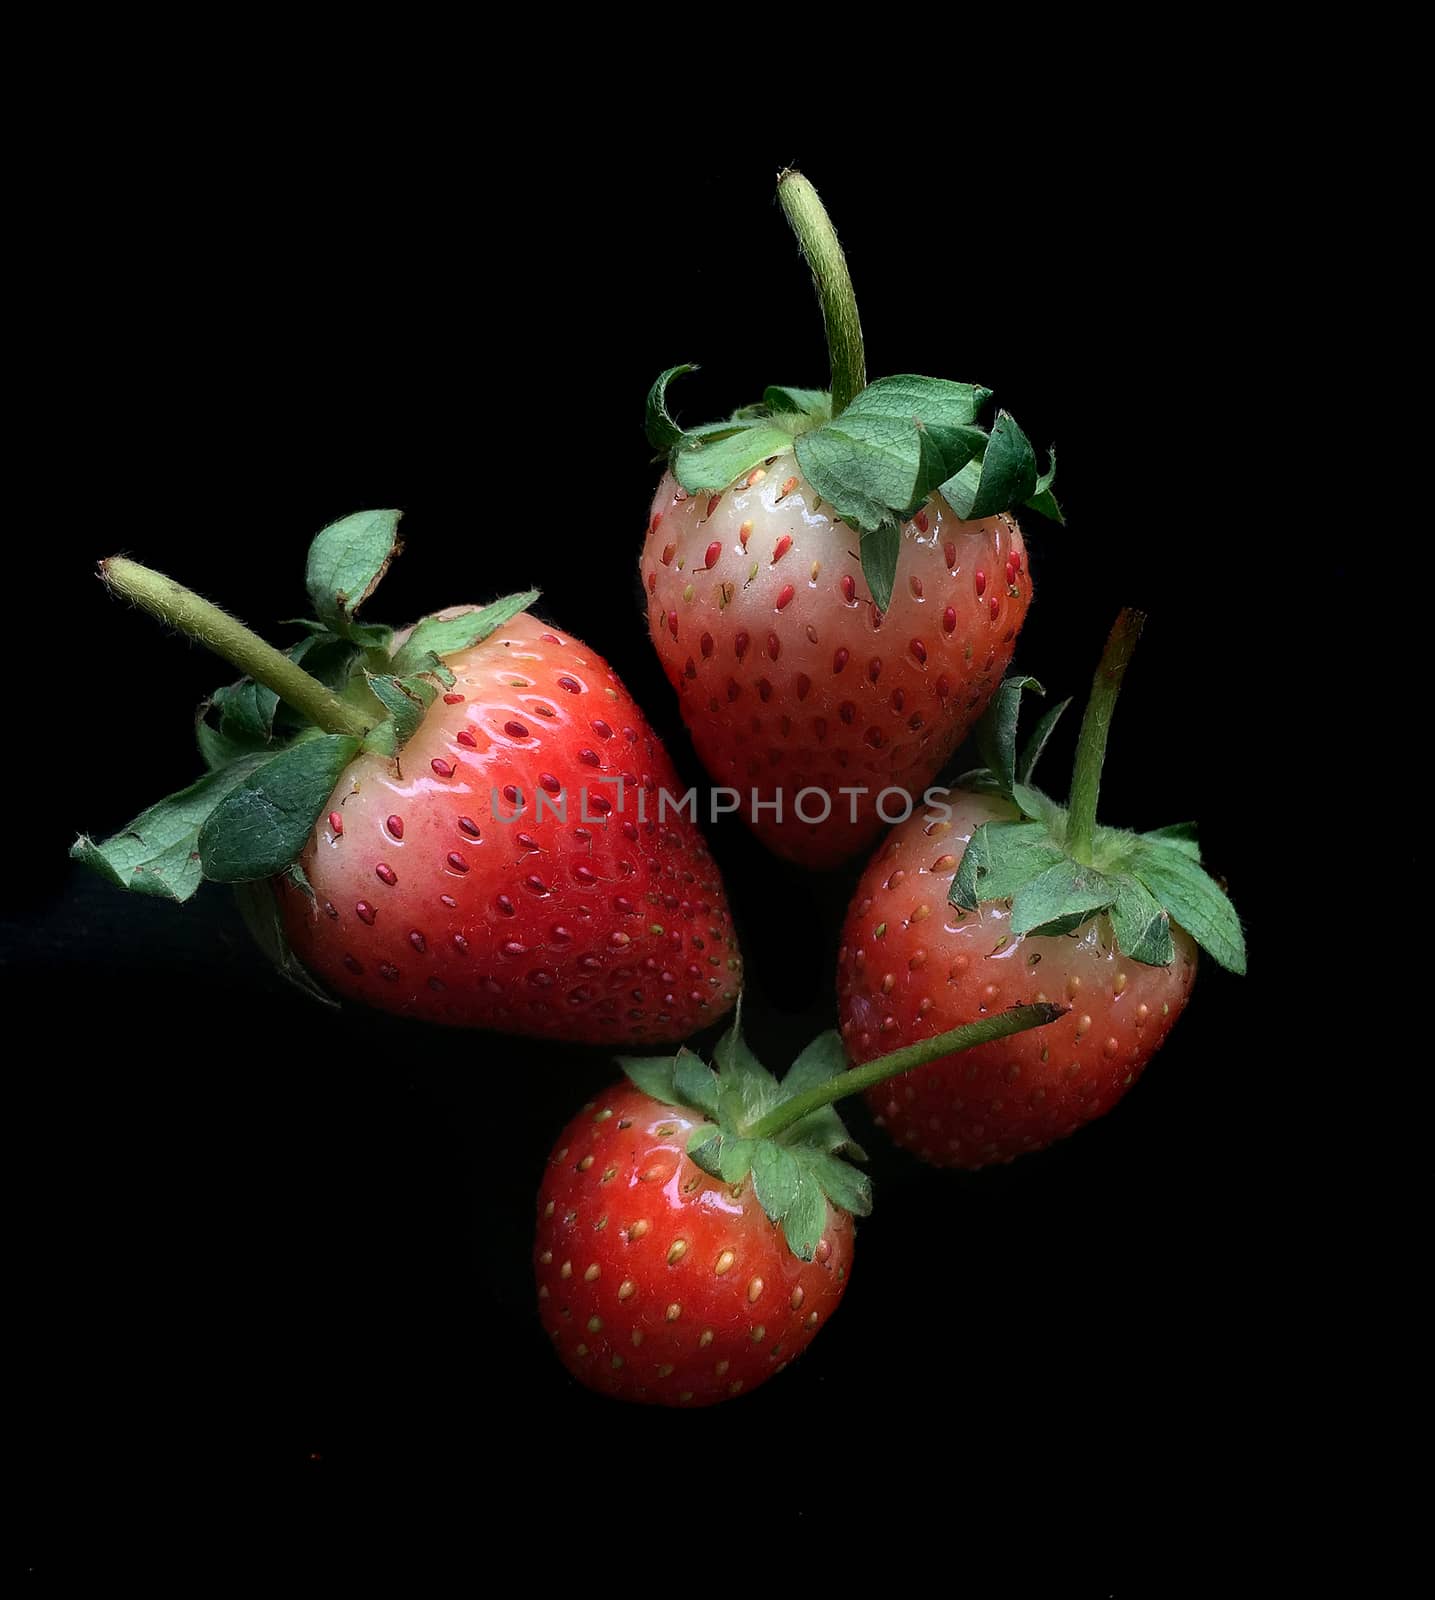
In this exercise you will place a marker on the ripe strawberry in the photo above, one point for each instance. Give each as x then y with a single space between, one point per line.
834 581
997 897
479 837
695 1228
791 678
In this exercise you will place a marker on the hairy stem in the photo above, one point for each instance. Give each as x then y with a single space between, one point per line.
1017 1020
823 253
1095 726
197 619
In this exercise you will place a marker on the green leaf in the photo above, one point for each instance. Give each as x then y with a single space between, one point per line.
1180 836
776 1178
444 636
846 1187
264 822
1066 889
996 731
346 561
1142 926
246 712
406 700
1004 476
1044 500
866 467
696 1083
1193 899
218 747
716 463
735 1158
944 413
822 1060
999 858
823 1130
653 1075
663 432
813 403
746 1089
881 550
704 1147
259 906
158 853
1031 751
805 1218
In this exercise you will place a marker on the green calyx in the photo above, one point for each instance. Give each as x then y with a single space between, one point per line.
786 1134
276 742
1058 867
875 452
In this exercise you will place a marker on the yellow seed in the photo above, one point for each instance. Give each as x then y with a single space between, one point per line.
724 1262
921 913
637 1337
626 1289
673 1312
722 1367
754 1289
566 1270
548 1209
798 1296
1118 983
543 1292
546 1257
639 1228
595 1324
582 1350
604 1114
666 1370
592 1273
677 1251
759 1333
585 1163
706 1339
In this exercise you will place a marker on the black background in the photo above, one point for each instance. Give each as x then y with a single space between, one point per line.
265 1244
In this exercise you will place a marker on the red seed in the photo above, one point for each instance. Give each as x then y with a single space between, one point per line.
921 522
764 690
547 780
786 489
714 550
353 965
550 638
365 912
847 711
784 598
774 647
534 883
417 940
919 651
561 935
740 645
456 861
949 620
669 551
388 971
599 804
840 658
981 583
449 901
802 683
712 506
602 730
873 736
513 948
437 985
874 668
331 909
386 874
780 549
915 584
996 607
510 794
589 758
849 588
441 767
336 822
453 699
515 730
705 644
469 826
395 825
571 685
505 906
466 738
460 944
585 874
673 623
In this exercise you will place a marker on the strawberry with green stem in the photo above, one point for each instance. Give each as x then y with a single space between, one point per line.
997 896
461 822
695 1226
835 581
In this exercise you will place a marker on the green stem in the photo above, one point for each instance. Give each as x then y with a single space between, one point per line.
197 619
1095 726
970 1034
818 239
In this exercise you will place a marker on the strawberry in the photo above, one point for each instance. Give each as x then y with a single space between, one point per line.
695 1227
463 823
997 896
834 581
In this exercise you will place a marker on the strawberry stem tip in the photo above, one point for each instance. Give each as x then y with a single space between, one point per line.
1095 726
824 256
1017 1020
198 619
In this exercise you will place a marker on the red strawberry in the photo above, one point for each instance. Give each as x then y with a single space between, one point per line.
992 899
695 1228
465 823
834 581
789 676
603 924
